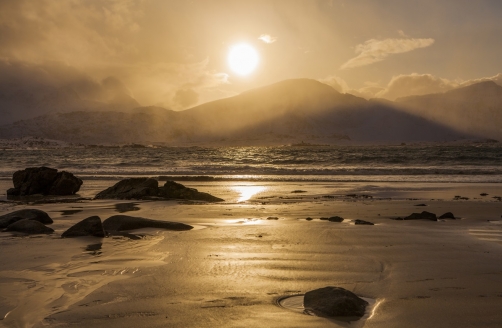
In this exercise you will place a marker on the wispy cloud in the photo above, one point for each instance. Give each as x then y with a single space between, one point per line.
267 38
373 50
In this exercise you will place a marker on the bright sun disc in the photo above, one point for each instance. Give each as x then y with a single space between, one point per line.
243 59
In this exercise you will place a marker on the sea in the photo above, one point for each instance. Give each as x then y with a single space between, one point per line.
478 163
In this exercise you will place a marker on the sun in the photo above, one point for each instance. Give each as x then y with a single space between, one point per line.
243 59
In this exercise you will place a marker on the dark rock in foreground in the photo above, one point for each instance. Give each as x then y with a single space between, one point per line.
124 222
363 222
148 188
334 302
448 215
91 226
133 188
422 216
45 181
30 227
175 190
28 214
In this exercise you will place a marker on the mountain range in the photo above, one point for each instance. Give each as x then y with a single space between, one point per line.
290 111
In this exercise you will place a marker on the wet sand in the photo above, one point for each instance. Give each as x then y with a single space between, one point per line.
230 270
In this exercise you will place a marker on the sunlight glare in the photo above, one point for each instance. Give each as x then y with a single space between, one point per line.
243 59
246 192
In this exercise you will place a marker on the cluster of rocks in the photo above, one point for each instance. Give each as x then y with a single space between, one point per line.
44 181
33 221
428 216
29 221
148 189
48 181
116 224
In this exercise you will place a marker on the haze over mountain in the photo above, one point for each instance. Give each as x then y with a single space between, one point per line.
475 109
289 111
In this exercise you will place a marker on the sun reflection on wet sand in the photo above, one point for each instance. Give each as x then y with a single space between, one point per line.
246 192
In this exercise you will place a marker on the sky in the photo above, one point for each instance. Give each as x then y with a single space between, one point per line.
174 53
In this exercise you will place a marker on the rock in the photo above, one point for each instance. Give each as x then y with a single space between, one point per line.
483 194
148 188
421 205
309 219
31 227
422 216
334 302
335 219
45 181
124 222
272 218
448 215
173 190
65 184
29 214
363 222
133 188
91 226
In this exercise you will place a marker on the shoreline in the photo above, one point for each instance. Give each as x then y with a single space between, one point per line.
229 270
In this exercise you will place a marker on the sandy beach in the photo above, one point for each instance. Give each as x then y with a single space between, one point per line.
230 270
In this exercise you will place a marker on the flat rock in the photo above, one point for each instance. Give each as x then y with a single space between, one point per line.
334 302
124 222
363 222
28 214
422 216
31 227
91 226
174 190
45 181
133 188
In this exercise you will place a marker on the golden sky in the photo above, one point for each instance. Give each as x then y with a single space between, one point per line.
174 53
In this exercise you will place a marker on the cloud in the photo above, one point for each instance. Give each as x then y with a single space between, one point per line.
336 83
267 38
415 84
373 50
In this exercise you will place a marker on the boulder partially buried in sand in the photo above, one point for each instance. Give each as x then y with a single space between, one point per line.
31 227
28 214
45 181
148 188
124 222
91 226
334 302
133 188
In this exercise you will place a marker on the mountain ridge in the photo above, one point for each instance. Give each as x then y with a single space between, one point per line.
288 111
